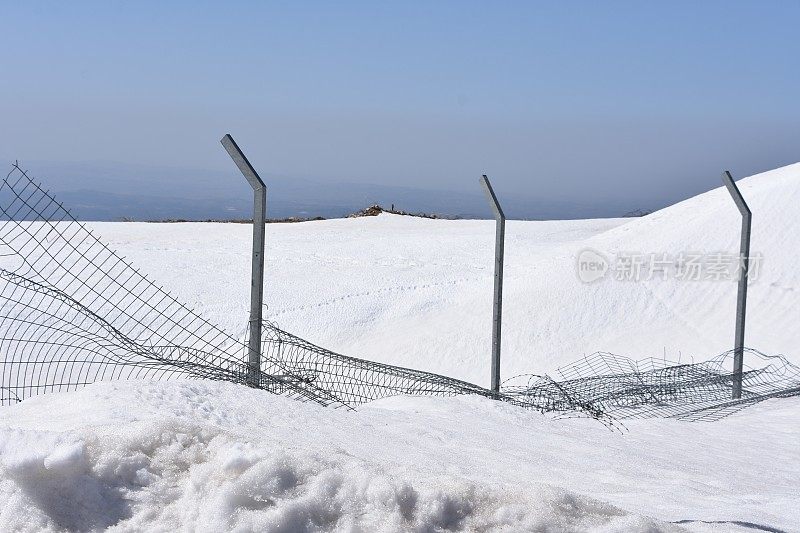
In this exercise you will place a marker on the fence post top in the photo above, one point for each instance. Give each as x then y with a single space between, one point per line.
493 202
735 193
242 162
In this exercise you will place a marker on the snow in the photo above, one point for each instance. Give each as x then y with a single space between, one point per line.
204 456
199 456
399 290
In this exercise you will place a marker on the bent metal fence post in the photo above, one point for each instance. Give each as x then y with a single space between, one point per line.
497 307
744 268
257 275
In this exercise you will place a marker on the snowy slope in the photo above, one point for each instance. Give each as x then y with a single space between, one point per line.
418 292
220 457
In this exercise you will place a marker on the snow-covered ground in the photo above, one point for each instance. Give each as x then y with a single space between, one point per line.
417 292
213 457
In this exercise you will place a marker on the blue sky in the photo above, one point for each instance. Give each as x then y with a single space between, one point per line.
582 101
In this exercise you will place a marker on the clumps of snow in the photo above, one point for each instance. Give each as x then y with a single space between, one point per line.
160 468
49 482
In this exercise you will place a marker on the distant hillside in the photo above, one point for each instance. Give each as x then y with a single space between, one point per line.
111 191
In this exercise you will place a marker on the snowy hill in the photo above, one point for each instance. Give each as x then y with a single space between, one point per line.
416 292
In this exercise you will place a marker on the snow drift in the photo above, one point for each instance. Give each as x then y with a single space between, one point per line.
205 456
140 456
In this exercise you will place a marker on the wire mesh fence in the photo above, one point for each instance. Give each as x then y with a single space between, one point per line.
74 312
623 388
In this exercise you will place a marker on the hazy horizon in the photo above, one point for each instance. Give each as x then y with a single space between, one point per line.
591 109
110 191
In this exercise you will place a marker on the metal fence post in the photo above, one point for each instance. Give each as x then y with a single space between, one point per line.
257 276
497 309
744 268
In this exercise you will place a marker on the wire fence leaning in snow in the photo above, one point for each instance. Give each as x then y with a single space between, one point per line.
74 312
624 388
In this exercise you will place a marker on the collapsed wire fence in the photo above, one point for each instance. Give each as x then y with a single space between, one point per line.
74 312
623 388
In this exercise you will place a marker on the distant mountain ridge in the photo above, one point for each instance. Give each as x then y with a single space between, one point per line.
111 191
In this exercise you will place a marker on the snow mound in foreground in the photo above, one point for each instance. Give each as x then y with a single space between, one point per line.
158 456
